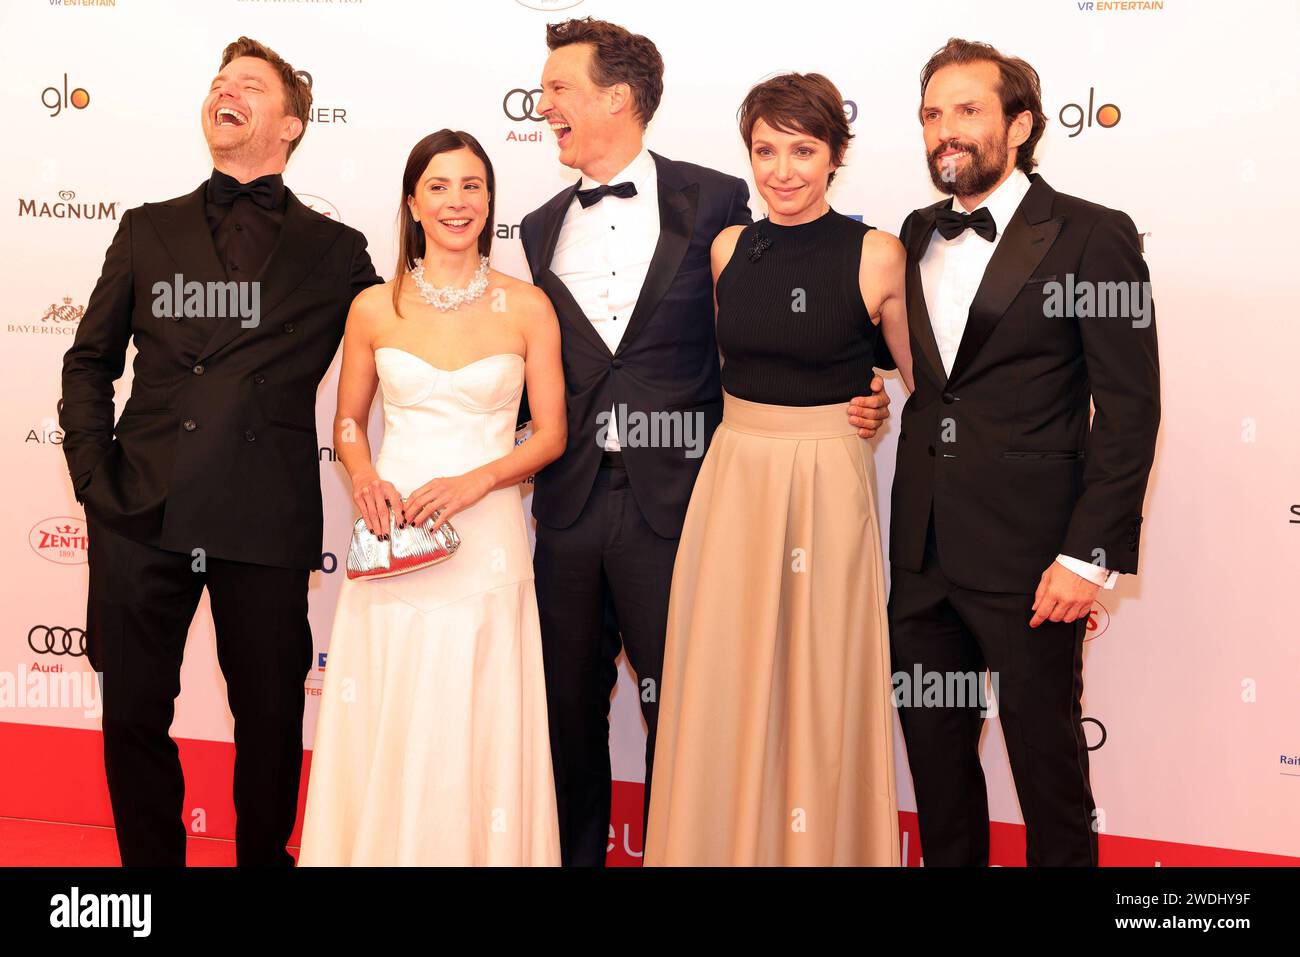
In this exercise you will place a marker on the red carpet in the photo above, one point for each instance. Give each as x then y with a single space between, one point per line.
49 844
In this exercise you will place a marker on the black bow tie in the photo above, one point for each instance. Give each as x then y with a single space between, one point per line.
590 197
266 191
950 223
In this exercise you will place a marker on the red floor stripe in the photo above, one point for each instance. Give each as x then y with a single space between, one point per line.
54 810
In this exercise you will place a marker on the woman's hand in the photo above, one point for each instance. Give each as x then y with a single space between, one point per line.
447 496
373 497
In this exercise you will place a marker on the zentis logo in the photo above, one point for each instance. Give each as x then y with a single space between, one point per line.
61 539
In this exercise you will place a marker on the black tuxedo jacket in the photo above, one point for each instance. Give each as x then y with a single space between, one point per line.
216 448
1001 449
666 361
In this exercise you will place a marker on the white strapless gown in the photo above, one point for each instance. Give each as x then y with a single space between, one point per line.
432 744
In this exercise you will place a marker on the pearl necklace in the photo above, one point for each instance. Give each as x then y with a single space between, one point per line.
445 298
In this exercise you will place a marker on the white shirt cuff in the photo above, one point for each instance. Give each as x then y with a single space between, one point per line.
1094 573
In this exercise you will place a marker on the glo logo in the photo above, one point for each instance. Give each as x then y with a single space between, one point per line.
55 100
1074 117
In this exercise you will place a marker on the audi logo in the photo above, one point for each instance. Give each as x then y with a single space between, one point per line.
52 640
520 105
1101 727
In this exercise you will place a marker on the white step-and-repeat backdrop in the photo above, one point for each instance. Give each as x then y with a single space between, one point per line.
1180 113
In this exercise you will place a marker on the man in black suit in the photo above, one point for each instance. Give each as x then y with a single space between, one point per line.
235 296
624 256
1009 511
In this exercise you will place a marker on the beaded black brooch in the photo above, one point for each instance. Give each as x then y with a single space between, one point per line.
758 246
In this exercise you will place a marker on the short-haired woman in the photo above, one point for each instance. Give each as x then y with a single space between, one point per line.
776 727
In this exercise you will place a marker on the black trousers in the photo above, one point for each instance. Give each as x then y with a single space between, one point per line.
141 602
607 566
942 628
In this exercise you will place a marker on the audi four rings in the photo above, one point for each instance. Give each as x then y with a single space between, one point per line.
53 640
520 105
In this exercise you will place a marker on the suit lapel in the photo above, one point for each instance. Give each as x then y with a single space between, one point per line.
565 305
304 239
1024 243
552 219
183 226
918 314
677 205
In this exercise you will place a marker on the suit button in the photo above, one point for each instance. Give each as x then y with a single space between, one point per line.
190 425
949 398
198 369
259 378
288 327
930 449
250 435
617 363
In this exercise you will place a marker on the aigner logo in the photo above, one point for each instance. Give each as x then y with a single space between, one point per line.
1106 115
54 640
322 114
55 101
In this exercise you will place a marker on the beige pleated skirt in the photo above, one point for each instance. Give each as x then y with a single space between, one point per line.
775 741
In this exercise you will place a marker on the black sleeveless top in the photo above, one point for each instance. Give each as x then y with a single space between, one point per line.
792 326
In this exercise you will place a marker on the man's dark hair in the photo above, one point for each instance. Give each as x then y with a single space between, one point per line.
618 56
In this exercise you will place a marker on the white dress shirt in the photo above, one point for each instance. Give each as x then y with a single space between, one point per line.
604 252
951 273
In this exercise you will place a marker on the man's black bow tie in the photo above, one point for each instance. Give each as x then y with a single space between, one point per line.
264 190
950 223
590 197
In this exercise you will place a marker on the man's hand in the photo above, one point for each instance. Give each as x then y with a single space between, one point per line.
866 413
1062 596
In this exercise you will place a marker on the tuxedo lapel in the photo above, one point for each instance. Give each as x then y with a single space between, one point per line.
918 314
677 205
1024 243
303 241
553 214
565 305
183 227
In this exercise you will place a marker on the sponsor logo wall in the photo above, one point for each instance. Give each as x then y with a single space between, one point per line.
1192 668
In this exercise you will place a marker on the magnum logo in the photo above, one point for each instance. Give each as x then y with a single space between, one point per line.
66 207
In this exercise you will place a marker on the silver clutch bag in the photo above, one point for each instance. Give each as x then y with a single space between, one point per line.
407 549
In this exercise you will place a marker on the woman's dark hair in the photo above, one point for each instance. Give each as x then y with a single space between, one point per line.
798 103
410 234
1019 89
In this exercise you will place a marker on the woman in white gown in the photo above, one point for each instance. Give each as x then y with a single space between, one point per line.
432 744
